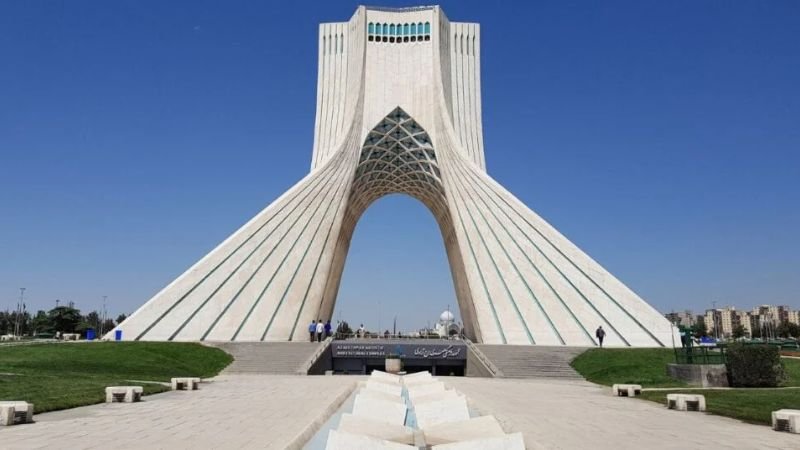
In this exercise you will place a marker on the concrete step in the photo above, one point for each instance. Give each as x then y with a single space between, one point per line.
267 357
532 361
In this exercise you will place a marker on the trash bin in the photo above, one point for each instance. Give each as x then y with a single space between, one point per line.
118 335
90 334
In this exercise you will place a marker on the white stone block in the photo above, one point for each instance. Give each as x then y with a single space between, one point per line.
416 376
419 380
425 389
123 394
434 413
626 390
395 390
185 383
12 412
383 411
7 415
786 420
341 440
435 397
386 377
377 429
380 395
465 430
686 402
507 442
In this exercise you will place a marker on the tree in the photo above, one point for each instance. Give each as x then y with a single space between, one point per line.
738 332
121 318
64 319
787 329
92 320
41 323
699 329
108 325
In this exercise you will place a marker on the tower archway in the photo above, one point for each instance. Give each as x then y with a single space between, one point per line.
398 157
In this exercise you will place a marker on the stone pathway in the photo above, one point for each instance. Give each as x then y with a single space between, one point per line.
578 415
276 411
241 411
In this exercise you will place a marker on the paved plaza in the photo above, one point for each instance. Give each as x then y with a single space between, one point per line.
266 411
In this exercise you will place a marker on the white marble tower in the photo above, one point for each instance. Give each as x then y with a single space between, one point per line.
399 111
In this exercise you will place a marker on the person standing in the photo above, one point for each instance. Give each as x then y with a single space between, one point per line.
312 329
320 330
327 328
600 333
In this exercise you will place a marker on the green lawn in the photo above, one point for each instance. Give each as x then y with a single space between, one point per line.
645 366
59 376
749 405
792 368
648 368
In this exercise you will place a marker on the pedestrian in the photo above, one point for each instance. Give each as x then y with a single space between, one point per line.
320 330
312 329
600 333
327 328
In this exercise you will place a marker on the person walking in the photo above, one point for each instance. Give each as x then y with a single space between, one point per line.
600 333
327 328
320 330
312 329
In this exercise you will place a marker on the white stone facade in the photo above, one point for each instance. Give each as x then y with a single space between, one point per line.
401 116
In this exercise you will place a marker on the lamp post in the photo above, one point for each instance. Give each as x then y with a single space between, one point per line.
20 308
103 317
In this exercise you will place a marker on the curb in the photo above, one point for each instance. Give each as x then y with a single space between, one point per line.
311 429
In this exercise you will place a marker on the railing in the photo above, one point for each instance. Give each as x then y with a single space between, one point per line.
402 9
367 335
303 370
497 373
700 355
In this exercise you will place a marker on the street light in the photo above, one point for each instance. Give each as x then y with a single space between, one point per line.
20 307
103 318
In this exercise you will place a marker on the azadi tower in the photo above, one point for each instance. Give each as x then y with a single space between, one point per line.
399 111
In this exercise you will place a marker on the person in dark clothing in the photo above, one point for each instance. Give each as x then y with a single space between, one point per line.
600 333
327 328
312 329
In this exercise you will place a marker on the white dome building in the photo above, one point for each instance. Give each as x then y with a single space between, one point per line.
447 326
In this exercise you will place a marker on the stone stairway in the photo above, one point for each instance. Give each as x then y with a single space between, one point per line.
532 361
267 357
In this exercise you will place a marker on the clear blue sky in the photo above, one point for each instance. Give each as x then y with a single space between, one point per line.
661 137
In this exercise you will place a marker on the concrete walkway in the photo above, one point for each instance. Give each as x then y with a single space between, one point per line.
237 411
276 411
579 415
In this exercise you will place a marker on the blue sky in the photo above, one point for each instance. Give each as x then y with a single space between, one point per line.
661 137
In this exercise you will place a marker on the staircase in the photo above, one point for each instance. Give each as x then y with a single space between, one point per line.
268 357
532 361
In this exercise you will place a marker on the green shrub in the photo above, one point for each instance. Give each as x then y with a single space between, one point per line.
754 365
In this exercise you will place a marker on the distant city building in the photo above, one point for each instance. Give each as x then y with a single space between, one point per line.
761 321
684 318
